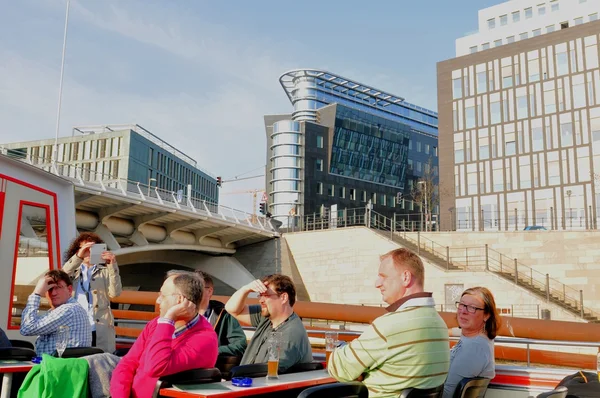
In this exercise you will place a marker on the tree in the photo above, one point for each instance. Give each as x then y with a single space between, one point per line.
426 191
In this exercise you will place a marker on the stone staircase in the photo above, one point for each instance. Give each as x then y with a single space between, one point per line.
440 257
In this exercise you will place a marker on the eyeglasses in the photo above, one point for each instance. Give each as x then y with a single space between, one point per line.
471 309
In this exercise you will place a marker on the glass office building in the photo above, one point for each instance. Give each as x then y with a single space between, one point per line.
121 151
520 134
345 144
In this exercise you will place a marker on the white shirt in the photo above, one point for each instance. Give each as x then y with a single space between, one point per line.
83 295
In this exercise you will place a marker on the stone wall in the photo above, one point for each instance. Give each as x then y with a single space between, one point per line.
572 257
340 266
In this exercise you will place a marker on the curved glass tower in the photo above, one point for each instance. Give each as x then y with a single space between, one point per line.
322 154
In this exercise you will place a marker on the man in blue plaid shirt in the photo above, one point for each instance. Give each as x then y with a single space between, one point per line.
66 311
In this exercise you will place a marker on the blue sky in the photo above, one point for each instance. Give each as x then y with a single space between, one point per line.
201 75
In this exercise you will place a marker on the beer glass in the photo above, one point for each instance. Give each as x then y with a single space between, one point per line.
62 340
331 339
274 345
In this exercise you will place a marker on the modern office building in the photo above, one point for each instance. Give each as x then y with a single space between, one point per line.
121 151
520 134
346 144
517 20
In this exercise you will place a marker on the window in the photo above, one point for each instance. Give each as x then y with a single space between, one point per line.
510 39
516 16
537 134
319 165
522 107
562 61
578 21
352 194
363 196
473 49
342 192
410 164
497 43
470 118
481 82
330 189
427 149
542 9
319 188
549 28
528 13
495 111
419 147
554 5
510 147
485 46
523 36
566 134
491 23
537 32
319 141
503 20
456 92
564 25
593 16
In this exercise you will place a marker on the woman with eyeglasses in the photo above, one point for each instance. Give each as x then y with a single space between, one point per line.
473 355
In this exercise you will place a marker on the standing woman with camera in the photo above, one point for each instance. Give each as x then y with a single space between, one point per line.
93 287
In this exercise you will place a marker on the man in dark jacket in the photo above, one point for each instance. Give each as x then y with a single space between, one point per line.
232 340
5 342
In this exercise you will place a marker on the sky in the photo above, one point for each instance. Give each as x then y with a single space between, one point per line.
201 75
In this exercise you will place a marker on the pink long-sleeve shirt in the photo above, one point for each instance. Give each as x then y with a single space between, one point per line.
156 353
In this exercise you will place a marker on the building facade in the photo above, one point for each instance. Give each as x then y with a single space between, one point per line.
346 144
520 134
121 151
517 20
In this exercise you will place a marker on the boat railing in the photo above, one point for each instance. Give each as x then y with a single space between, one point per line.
515 341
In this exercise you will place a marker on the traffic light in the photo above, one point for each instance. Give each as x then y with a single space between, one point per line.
263 207
219 181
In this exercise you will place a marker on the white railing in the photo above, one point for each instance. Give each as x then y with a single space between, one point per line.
150 194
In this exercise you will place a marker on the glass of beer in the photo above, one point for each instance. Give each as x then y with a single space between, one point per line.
331 339
274 344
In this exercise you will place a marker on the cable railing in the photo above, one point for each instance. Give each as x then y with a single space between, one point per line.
472 258
85 177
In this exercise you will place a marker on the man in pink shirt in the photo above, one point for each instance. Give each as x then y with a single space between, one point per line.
176 341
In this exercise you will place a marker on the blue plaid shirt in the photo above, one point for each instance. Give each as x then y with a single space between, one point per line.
70 314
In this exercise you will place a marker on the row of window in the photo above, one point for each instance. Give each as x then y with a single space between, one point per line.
527 67
536 135
568 166
527 12
80 150
363 196
533 33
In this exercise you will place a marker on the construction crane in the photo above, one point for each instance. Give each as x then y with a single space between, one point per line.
254 192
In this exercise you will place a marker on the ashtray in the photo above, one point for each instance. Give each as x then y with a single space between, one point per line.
241 381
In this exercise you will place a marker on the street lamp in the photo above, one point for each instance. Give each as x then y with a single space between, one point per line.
60 86
149 184
425 200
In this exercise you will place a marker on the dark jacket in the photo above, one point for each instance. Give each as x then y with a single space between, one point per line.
232 340
5 342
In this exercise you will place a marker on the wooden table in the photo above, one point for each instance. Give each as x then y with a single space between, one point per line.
259 386
8 367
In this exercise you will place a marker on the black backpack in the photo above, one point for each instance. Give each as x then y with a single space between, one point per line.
582 385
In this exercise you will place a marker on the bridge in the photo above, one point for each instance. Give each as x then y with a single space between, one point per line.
145 225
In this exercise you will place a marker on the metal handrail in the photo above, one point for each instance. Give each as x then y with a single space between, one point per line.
474 258
102 181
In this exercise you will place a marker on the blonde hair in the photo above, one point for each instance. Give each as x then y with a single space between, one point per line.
407 259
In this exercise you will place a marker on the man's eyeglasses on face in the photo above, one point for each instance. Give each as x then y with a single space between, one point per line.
471 309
